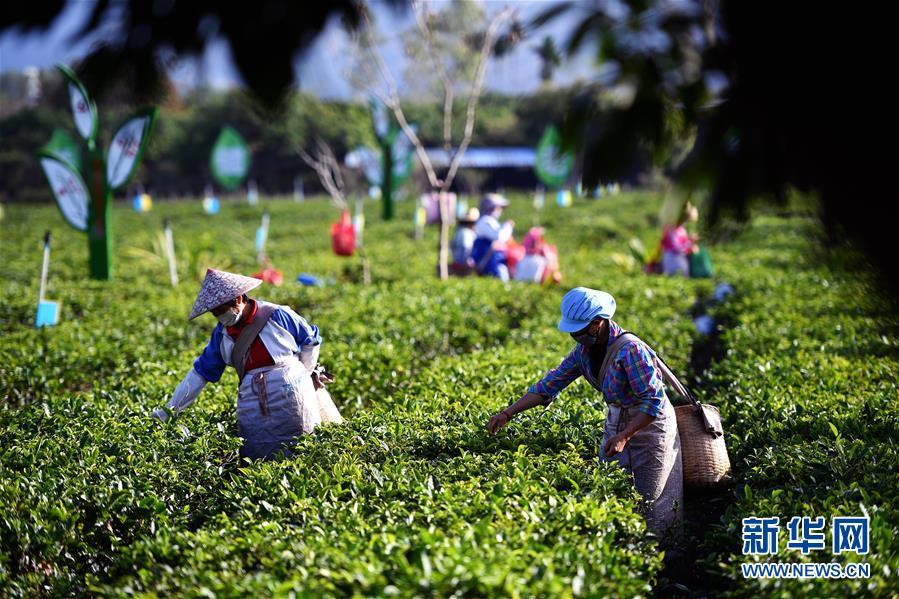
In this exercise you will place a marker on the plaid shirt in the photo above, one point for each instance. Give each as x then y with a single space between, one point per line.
632 378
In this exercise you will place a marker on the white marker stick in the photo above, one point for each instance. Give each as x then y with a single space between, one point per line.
45 266
262 238
298 194
170 250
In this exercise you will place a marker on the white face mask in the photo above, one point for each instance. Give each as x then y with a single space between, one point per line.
230 318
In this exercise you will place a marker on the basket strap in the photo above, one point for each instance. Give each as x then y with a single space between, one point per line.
672 380
667 374
612 351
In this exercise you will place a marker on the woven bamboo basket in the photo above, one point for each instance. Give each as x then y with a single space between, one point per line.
704 455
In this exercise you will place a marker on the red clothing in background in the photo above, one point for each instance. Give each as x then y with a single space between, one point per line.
677 240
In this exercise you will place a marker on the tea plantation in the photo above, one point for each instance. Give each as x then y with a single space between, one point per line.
410 497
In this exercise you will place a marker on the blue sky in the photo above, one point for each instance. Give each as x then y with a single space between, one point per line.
322 68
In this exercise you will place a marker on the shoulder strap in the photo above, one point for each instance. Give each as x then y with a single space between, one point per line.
667 375
612 351
264 311
672 381
485 260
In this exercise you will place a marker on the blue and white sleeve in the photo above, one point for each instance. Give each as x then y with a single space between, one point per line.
208 368
210 365
307 335
303 332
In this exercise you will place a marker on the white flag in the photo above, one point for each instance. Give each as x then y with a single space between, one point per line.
83 110
125 149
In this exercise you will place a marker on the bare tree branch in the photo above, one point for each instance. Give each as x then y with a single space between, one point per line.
470 113
476 89
327 168
392 100
448 91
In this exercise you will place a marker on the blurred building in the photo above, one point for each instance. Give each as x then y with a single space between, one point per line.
494 168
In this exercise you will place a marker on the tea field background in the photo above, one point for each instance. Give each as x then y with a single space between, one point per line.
410 497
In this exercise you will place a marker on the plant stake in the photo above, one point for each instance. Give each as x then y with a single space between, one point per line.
47 312
170 251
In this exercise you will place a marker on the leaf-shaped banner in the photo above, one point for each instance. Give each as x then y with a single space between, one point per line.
65 148
230 159
84 110
552 166
370 160
379 117
68 189
126 148
402 157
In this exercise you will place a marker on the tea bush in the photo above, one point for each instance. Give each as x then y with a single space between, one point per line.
808 391
410 496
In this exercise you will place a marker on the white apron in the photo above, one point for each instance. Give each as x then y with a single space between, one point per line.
275 404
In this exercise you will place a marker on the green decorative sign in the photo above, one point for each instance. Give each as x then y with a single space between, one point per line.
396 154
402 152
63 147
82 182
230 159
370 162
553 167
380 120
394 164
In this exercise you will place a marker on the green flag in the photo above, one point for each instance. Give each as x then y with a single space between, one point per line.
402 151
66 149
230 158
553 167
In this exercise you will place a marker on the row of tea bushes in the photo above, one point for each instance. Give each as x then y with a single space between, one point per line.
409 497
808 390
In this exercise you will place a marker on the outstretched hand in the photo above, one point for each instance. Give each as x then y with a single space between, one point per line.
321 377
160 414
497 422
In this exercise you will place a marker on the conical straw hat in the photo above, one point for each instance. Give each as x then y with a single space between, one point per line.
220 287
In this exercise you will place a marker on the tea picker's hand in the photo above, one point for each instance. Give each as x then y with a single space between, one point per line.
321 377
160 414
498 421
615 444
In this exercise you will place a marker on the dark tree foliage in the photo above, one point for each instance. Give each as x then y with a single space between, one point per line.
265 36
549 57
803 105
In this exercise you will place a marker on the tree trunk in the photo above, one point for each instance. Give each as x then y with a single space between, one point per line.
443 199
387 181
